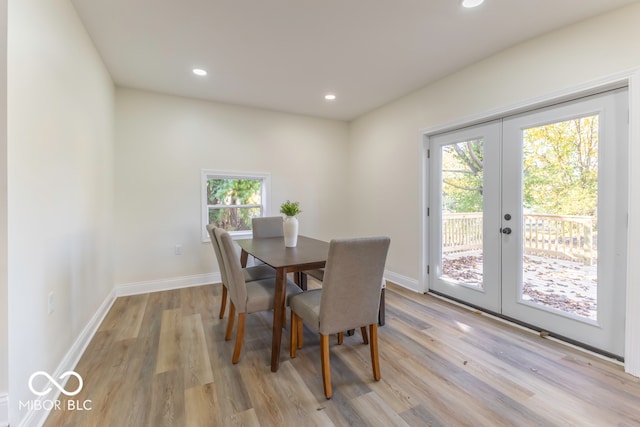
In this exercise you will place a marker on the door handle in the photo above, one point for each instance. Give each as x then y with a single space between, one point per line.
506 230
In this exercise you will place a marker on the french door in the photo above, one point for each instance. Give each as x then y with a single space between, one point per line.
528 218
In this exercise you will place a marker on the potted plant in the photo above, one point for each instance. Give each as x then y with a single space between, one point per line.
290 225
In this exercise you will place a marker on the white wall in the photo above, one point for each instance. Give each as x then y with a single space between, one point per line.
385 144
61 166
4 292
163 142
60 186
569 58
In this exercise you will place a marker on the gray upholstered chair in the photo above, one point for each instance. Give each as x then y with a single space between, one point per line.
264 227
267 226
250 273
318 274
349 299
271 226
246 296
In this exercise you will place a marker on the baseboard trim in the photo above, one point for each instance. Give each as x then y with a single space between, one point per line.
71 359
137 288
4 410
404 281
37 418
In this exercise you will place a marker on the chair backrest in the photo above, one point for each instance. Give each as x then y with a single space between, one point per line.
235 277
216 249
352 283
267 226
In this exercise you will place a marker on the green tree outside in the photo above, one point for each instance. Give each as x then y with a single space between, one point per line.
560 170
462 178
234 202
561 167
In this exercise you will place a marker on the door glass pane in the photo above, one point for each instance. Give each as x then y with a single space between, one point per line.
462 187
560 224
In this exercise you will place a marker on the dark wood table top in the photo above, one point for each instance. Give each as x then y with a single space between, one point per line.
272 251
307 255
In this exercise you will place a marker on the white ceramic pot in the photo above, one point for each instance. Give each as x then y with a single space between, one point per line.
290 228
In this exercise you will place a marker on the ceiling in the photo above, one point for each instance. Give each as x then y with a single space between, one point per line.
286 55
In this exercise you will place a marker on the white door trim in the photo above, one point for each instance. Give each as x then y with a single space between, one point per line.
607 332
630 78
632 328
488 296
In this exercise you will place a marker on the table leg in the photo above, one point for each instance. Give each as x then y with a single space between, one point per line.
243 258
278 311
300 278
381 312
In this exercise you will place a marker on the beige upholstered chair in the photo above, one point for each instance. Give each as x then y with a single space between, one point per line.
267 226
250 273
318 274
246 296
271 226
349 299
264 227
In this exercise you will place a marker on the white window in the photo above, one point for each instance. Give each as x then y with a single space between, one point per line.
230 200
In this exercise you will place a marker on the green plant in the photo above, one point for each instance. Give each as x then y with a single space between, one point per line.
290 208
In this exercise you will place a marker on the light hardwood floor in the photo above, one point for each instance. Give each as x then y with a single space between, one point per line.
160 359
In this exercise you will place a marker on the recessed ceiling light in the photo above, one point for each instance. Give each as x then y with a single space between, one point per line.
199 72
472 3
330 97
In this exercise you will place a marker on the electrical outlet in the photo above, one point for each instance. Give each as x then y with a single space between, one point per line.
178 249
50 306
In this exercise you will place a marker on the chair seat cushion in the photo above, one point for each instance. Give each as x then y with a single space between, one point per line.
258 272
260 294
316 274
307 306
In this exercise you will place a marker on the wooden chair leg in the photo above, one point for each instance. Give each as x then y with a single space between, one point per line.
239 337
340 338
300 330
293 340
284 315
365 338
326 368
373 343
232 317
223 303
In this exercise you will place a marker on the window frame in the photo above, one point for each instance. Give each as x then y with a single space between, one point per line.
206 174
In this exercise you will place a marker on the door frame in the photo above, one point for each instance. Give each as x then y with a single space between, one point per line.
630 79
489 295
605 333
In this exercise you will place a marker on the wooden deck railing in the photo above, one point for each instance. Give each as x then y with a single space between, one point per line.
461 231
558 236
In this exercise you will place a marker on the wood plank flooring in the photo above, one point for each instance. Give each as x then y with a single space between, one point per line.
160 359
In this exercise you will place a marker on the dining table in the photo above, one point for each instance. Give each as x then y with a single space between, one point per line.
308 254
